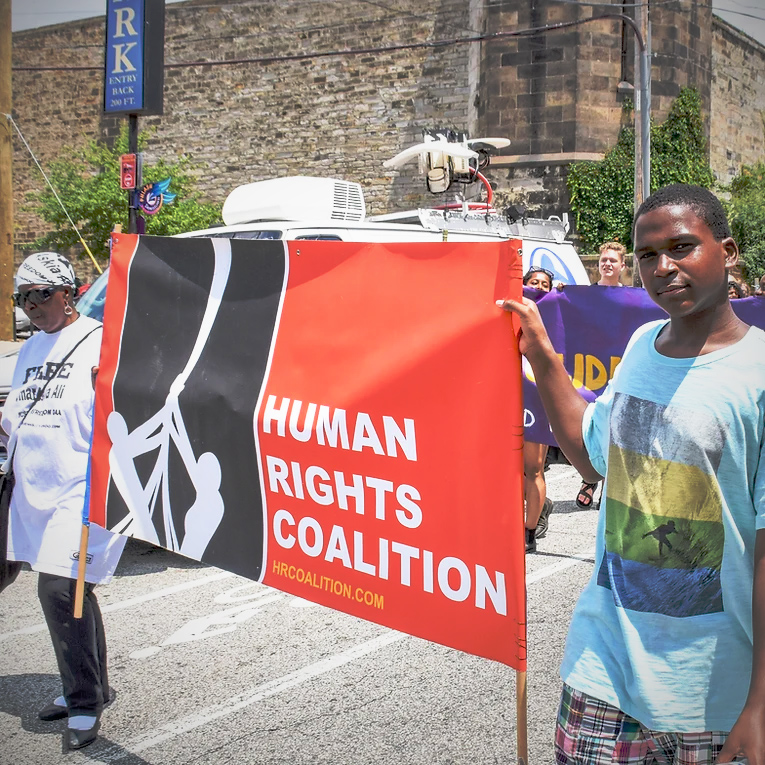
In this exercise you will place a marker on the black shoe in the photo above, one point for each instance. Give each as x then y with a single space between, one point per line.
78 739
53 712
547 508
531 541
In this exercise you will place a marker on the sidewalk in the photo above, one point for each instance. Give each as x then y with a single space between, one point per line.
9 345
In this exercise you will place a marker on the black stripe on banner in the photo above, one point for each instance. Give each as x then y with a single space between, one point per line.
168 293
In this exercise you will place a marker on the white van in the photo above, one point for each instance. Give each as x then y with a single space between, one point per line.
302 207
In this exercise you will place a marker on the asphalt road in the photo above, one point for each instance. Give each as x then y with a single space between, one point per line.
212 668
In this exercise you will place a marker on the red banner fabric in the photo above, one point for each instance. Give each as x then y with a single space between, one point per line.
340 421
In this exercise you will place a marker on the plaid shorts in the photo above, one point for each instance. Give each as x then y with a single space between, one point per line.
591 732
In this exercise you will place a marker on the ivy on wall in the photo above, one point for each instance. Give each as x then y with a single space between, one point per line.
602 193
746 211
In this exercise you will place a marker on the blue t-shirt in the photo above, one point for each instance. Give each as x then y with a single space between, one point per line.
663 630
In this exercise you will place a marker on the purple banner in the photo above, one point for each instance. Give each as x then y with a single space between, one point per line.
590 328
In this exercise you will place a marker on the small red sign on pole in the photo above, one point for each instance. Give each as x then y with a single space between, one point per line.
128 171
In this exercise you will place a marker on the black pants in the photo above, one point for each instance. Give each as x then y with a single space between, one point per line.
79 644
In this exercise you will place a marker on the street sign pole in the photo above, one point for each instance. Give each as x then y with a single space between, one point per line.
134 71
642 116
133 193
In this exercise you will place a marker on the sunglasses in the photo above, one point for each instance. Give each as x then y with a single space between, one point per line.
37 296
539 270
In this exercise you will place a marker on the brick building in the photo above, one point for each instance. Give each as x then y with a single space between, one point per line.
555 95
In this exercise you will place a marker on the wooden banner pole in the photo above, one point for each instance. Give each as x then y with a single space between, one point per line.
79 591
521 717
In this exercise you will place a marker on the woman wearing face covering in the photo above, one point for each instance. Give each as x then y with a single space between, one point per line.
48 417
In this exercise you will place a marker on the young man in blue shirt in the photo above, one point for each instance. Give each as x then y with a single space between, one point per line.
665 657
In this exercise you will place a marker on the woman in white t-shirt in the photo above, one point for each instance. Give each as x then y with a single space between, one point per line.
48 417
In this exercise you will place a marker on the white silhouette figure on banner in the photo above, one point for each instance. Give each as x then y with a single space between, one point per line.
164 428
206 513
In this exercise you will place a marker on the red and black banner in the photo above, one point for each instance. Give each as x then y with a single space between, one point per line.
341 421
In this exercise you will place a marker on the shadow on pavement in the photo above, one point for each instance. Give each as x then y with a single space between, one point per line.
24 695
107 751
567 507
142 557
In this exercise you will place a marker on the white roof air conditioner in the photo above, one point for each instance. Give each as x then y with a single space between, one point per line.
297 198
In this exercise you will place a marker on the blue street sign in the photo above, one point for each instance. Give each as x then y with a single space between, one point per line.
124 56
133 75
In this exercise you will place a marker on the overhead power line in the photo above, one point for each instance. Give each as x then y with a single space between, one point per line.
397 15
432 44
444 18
741 13
55 193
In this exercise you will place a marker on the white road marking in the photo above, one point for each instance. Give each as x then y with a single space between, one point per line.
172 729
251 696
130 602
218 623
248 591
183 725
561 565
144 653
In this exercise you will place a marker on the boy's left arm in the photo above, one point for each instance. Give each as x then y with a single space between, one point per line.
747 737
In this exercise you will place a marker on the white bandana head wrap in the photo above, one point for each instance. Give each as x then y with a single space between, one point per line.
45 268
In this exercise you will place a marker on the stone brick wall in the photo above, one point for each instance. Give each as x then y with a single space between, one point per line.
737 135
551 93
339 115
554 95
681 53
52 109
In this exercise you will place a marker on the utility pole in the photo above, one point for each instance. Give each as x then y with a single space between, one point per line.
642 115
6 180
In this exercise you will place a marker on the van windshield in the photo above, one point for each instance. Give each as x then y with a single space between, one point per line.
245 235
92 302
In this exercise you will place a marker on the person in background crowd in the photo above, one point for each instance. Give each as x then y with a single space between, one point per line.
760 290
48 417
734 290
665 655
611 263
538 505
81 290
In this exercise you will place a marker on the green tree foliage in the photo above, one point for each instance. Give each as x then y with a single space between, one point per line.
87 181
602 193
746 211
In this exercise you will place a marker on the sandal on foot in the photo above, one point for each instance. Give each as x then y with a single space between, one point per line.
586 495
